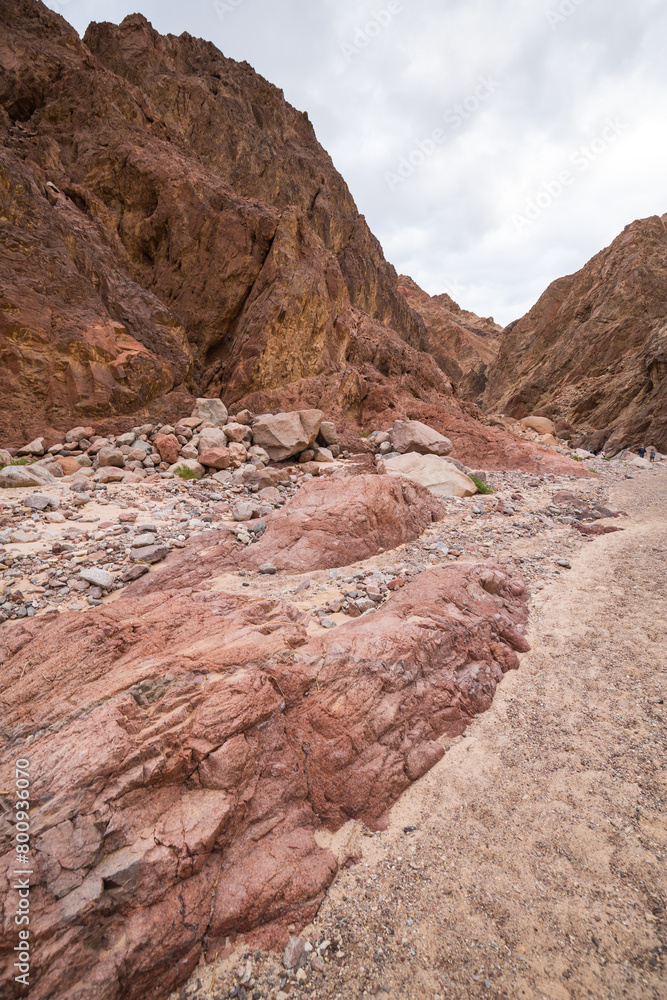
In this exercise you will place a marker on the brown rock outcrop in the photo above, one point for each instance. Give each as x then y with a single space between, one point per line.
179 774
593 350
329 523
173 228
463 344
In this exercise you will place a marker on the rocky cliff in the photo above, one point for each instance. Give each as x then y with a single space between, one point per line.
171 224
172 228
463 344
593 350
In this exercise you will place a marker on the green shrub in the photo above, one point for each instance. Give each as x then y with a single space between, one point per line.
185 472
576 458
482 487
26 460
364 434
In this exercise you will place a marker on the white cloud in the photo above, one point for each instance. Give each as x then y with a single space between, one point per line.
450 224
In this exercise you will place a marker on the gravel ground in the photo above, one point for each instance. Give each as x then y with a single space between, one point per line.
530 862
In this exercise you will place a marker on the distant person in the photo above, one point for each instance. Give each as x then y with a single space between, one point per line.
642 451
652 455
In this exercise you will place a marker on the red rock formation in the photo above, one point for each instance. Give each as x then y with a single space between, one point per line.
463 344
330 522
172 226
593 350
179 773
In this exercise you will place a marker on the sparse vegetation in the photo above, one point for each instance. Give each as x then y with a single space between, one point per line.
364 434
185 473
26 460
482 487
576 458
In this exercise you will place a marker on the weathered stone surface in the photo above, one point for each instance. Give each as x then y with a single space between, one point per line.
36 447
412 435
433 472
98 577
211 411
167 446
215 458
328 432
286 434
111 474
185 805
212 437
150 553
111 457
540 424
592 351
69 466
20 476
329 523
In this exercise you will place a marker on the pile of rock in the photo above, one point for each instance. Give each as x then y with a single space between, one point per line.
415 450
229 448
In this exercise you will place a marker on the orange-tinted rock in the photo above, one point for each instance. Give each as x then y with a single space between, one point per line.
70 466
216 458
592 352
168 447
179 774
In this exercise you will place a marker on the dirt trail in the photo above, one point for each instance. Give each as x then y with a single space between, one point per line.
537 867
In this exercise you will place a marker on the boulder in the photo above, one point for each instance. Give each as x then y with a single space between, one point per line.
286 434
238 432
435 473
215 458
70 466
540 424
328 433
413 436
167 446
212 437
98 577
238 453
36 447
111 474
149 553
5 457
14 477
111 457
212 411
188 811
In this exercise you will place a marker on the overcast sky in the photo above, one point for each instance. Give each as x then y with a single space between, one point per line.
493 145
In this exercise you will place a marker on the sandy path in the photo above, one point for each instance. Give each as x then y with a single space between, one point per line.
538 866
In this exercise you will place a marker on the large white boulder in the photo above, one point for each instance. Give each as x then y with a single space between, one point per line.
413 435
286 434
540 424
432 471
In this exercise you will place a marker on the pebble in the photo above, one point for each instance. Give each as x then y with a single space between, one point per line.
98 577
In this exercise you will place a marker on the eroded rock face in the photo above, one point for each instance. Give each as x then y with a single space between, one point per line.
329 523
593 350
463 344
174 231
180 773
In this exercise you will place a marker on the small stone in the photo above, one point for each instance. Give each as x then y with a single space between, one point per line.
293 952
564 563
98 577
327 623
150 553
133 573
245 511
145 538
211 411
36 447
268 569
